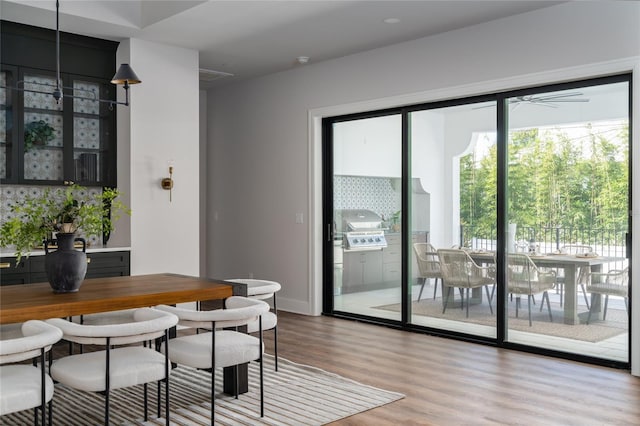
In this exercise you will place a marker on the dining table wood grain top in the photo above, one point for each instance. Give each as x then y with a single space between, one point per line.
23 302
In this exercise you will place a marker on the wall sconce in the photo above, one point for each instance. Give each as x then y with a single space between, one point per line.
167 183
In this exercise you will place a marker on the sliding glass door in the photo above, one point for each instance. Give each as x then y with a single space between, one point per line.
453 181
502 217
568 204
366 214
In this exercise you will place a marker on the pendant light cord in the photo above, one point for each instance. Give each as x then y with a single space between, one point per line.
58 92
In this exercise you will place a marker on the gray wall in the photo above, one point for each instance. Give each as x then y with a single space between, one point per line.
263 148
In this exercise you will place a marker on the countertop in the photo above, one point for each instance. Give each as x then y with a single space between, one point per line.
4 252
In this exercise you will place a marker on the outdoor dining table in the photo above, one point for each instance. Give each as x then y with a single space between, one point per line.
19 303
570 264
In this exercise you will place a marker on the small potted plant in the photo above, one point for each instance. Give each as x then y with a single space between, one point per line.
37 133
396 221
65 213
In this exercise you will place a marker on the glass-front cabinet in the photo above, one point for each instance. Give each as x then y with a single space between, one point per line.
64 142
7 77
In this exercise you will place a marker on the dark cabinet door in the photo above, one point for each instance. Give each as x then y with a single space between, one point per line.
11 274
31 270
49 142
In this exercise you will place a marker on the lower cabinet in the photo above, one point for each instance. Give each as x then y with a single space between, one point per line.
361 269
31 270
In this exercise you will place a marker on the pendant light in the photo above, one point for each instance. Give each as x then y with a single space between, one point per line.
125 75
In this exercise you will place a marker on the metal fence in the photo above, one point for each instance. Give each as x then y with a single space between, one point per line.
605 242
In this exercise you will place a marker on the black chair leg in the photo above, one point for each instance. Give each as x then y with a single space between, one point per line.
467 314
589 316
213 372
584 293
422 288
489 297
158 391
546 294
275 345
446 300
146 402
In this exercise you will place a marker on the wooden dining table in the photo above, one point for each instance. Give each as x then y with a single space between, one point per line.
19 303
23 302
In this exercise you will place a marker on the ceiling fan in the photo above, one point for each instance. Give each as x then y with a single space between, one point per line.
548 100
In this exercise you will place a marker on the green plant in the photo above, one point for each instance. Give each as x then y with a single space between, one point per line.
37 133
67 210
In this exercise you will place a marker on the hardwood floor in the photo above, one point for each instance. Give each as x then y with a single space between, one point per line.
448 382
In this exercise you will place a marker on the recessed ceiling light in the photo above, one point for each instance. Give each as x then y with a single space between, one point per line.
302 59
391 20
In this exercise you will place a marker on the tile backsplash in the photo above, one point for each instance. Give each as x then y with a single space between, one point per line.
10 194
365 192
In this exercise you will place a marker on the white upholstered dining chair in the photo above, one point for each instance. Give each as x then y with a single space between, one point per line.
263 290
222 347
120 364
24 386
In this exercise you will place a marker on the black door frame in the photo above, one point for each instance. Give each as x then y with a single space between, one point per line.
501 220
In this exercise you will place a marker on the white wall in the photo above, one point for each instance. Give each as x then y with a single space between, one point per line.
161 124
264 133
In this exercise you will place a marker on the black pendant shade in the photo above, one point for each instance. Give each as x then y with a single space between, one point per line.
125 75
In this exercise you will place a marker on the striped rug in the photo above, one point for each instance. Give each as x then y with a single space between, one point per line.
295 395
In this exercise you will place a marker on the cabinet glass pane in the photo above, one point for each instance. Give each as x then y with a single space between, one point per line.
43 134
5 122
87 149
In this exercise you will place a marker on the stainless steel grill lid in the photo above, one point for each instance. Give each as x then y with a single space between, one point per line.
357 220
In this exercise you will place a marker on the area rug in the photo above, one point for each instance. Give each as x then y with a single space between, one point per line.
596 331
295 395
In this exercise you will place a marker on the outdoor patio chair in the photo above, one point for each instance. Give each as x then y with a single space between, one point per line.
614 283
428 265
459 270
525 278
583 272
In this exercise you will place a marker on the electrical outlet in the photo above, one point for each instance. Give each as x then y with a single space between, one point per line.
299 218
250 274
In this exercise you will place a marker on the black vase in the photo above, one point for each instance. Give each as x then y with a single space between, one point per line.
66 267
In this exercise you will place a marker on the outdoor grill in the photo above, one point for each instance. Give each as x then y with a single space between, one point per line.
360 229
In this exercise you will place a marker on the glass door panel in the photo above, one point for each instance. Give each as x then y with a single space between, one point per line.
453 205
567 179
6 123
43 124
367 214
87 150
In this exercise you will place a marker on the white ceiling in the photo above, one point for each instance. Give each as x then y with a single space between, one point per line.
254 38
